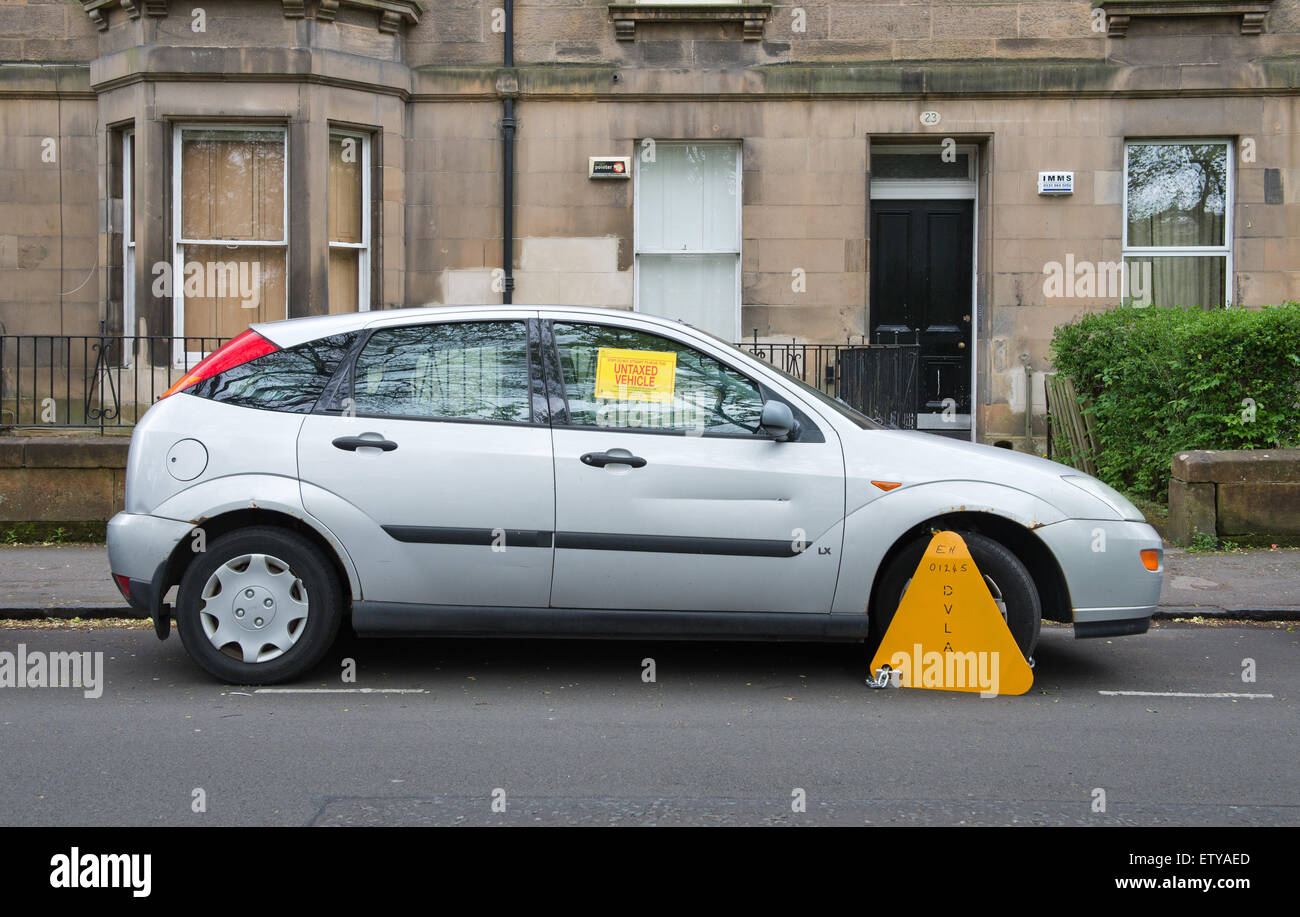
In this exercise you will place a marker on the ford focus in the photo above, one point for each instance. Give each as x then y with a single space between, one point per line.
572 472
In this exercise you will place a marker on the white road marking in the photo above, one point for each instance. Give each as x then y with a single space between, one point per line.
341 691
1180 694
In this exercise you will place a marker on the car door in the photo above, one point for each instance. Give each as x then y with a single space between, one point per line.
668 494
454 502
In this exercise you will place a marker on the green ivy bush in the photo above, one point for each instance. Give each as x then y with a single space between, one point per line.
1159 381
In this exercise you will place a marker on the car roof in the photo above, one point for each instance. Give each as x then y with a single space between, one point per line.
293 331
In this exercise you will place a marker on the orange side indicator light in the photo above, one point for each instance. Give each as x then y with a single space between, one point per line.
887 485
1151 558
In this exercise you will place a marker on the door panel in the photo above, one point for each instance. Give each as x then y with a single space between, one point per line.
892 298
706 525
461 509
695 520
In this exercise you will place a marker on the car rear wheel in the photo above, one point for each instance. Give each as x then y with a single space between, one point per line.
1009 583
260 606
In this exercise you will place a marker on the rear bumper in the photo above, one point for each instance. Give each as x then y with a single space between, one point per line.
138 548
138 594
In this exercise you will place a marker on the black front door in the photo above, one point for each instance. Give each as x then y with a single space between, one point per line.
921 253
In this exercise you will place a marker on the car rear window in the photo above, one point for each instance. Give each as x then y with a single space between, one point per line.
289 380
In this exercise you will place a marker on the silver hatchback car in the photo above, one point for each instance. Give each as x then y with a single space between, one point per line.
575 472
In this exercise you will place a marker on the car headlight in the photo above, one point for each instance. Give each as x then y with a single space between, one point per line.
1122 506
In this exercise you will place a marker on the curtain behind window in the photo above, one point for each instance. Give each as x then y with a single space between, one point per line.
1178 198
232 185
345 222
232 190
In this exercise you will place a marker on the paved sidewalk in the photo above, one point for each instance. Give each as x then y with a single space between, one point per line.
65 581
59 581
1249 583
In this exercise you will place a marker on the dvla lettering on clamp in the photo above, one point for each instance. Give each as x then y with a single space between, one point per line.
948 633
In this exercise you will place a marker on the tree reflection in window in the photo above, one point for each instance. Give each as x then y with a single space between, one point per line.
1177 246
462 370
708 397
284 380
1177 194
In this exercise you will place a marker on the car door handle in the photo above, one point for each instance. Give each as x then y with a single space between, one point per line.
621 457
353 443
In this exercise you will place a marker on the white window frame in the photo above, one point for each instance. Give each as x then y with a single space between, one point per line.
1185 251
638 250
128 242
363 247
180 355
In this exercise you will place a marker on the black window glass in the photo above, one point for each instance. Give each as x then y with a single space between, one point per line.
618 377
457 370
906 166
288 380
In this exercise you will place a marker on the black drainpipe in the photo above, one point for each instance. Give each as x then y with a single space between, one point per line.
508 164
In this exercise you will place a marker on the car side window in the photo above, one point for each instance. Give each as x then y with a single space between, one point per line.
289 380
620 377
452 370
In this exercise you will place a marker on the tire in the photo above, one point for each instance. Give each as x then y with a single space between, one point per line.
1003 571
277 633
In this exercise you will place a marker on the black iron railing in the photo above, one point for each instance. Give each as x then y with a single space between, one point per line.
883 382
108 381
880 380
89 381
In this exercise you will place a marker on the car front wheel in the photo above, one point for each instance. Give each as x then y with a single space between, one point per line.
259 606
1009 583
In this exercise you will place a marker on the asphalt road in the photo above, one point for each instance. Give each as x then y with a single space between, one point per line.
725 735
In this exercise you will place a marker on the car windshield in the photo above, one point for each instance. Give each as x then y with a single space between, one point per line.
843 408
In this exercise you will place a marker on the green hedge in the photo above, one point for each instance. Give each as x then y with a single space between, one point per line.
1159 381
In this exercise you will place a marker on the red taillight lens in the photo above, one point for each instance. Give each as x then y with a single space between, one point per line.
248 346
123 585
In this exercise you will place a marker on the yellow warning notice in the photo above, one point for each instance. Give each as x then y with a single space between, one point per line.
948 633
635 375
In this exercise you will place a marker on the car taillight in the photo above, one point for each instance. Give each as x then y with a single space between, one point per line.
248 346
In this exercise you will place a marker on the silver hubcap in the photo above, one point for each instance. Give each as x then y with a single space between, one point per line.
254 608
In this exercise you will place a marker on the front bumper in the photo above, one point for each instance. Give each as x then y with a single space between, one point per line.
1111 592
139 547
1112 622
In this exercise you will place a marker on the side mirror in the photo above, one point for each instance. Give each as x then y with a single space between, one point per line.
777 421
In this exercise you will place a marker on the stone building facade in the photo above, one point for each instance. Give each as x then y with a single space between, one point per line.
970 172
